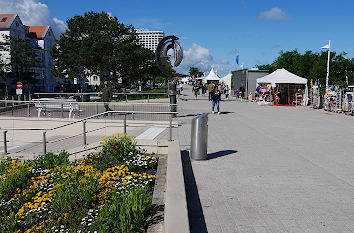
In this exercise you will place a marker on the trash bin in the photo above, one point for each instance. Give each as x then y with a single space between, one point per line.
199 137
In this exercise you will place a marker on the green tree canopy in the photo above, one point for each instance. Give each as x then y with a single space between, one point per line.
100 44
314 66
195 73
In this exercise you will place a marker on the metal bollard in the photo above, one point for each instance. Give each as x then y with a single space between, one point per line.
5 142
45 142
126 98
84 132
199 137
148 98
125 123
62 110
170 134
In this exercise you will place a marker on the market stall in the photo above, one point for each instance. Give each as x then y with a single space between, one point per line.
212 77
286 88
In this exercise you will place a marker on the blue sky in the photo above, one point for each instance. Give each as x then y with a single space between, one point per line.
213 32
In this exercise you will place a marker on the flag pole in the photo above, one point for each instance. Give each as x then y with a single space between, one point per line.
329 57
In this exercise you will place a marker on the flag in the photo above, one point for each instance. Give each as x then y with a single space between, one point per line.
325 47
237 60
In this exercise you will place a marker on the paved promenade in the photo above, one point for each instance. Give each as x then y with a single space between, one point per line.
270 169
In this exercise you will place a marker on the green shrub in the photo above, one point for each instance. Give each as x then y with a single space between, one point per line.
115 150
49 160
128 212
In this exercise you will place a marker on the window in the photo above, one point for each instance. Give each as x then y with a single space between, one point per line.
4 19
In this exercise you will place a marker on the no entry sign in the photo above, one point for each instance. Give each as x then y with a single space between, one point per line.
19 85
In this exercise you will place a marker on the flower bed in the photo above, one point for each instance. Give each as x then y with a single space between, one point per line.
107 192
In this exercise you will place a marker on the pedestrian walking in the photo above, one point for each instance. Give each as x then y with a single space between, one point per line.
195 90
210 89
242 91
204 89
107 96
216 97
181 87
227 92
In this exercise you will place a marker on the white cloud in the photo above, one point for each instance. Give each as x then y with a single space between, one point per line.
224 61
32 13
274 14
200 57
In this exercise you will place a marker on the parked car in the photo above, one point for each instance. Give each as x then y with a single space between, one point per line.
148 87
94 97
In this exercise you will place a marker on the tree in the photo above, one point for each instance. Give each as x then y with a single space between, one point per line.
195 73
100 44
23 60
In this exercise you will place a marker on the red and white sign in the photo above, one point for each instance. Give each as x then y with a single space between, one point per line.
19 85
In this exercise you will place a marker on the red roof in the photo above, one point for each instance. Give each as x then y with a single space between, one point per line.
39 30
7 18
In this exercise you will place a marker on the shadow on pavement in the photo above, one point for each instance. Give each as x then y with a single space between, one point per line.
220 154
195 210
189 115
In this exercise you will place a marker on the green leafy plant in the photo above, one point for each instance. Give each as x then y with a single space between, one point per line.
128 212
50 160
115 150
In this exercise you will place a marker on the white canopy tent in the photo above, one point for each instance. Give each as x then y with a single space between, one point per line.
282 76
212 76
226 80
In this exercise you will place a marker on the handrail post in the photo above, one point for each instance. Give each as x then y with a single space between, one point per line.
125 123
13 103
28 110
5 142
170 134
45 142
84 132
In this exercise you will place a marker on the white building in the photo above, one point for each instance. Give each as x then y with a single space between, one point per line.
149 39
40 37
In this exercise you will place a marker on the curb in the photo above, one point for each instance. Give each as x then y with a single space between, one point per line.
176 213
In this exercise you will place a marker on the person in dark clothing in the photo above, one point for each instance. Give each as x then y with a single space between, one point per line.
242 91
195 90
107 96
215 97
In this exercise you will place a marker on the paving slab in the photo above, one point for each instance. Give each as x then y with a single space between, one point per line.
273 169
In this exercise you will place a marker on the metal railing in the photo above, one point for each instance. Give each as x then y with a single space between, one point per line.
64 108
85 97
84 131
